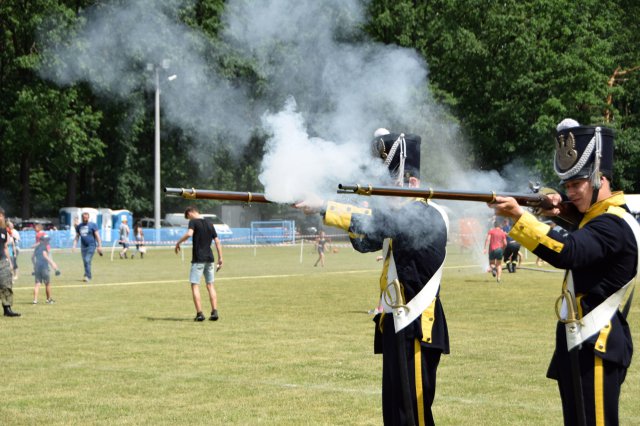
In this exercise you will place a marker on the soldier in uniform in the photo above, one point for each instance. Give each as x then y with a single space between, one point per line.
6 275
593 341
411 333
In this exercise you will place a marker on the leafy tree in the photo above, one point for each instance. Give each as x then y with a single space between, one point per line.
511 70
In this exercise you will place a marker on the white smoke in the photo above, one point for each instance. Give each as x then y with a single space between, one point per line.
297 165
325 93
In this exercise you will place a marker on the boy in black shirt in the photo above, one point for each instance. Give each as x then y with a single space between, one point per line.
202 260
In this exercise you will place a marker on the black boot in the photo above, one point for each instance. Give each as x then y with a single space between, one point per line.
8 312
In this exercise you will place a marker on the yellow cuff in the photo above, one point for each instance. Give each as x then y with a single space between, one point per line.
530 232
339 215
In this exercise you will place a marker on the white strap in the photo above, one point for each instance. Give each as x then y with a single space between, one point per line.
600 316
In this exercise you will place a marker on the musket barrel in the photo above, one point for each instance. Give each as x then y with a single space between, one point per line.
530 200
209 194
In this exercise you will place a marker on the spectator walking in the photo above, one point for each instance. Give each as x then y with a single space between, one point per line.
124 238
512 256
494 244
90 242
202 261
138 235
14 249
321 242
41 261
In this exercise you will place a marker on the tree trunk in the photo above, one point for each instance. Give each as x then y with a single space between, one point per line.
72 188
25 170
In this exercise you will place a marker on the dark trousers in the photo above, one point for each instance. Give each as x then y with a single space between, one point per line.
422 365
601 382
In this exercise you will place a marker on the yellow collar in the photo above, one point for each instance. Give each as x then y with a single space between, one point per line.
616 199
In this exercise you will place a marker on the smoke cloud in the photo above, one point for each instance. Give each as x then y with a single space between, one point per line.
325 94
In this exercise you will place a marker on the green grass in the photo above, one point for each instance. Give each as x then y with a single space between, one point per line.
293 345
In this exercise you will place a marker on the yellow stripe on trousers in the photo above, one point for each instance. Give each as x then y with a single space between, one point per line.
417 364
598 390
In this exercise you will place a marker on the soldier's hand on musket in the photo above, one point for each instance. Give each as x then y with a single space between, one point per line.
507 206
313 204
556 199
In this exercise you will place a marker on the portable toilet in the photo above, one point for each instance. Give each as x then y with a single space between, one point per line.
69 217
66 217
106 225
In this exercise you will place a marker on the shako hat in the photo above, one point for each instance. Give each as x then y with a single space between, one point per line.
400 152
583 152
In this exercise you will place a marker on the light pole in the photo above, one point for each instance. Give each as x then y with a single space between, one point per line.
156 192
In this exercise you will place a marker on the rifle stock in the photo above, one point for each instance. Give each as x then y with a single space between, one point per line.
530 200
209 194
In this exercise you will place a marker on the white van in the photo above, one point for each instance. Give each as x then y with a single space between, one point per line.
178 219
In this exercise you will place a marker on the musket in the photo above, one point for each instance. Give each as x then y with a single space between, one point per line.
210 194
536 200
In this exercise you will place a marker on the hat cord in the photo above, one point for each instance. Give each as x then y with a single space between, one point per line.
595 174
402 144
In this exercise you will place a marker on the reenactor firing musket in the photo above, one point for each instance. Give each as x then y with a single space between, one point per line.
535 200
210 194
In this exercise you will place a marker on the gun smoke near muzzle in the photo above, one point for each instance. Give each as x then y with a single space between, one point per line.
324 96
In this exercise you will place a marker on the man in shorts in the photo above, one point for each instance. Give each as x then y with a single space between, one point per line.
124 238
202 260
494 244
41 261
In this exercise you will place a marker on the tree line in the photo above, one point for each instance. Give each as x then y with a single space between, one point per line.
506 71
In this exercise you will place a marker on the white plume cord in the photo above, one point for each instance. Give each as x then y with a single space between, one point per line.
402 144
595 176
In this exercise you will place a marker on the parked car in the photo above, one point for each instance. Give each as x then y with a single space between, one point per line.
149 222
222 229
30 224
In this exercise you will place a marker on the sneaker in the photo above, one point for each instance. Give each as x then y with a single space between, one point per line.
85 279
214 315
493 272
199 317
50 301
35 302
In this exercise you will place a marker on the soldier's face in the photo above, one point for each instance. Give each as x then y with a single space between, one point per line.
579 192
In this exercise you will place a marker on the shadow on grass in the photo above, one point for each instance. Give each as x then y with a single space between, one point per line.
168 319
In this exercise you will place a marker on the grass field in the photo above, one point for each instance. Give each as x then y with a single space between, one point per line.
293 345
